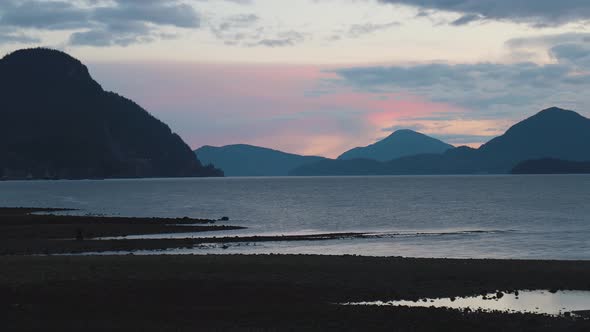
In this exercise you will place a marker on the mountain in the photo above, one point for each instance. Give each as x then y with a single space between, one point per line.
248 160
455 161
57 122
552 166
401 143
551 133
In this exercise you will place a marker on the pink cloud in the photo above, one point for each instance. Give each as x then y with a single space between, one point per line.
268 105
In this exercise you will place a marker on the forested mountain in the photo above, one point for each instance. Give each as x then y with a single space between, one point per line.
57 122
552 133
249 160
401 143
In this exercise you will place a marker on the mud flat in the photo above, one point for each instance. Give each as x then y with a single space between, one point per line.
260 293
33 231
247 292
44 231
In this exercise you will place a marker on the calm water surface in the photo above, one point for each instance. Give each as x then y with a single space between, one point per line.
435 216
539 301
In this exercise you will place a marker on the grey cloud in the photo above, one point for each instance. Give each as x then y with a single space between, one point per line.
55 15
274 42
238 21
171 13
288 38
135 21
240 2
545 41
468 76
10 36
98 38
570 52
246 30
233 30
103 23
358 30
567 48
118 33
466 19
539 13
488 89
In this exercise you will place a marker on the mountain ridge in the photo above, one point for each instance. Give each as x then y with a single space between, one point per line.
400 143
551 133
58 122
251 160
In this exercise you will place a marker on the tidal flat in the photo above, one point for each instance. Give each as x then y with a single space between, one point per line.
269 293
249 292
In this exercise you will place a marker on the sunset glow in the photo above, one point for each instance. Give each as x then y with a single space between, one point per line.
320 77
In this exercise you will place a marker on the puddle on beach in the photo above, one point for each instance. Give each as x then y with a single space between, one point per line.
538 302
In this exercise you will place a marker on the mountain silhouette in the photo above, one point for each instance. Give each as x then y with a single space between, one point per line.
551 133
57 122
399 144
249 160
552 166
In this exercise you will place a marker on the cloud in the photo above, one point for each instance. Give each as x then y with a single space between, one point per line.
545 41
158 12
358 30
101 23
240 2
571 48
282 39
361 30
233 30
238 21
12 36
45 15
246 30
119 33
539 13
439 129
488 90
194 103
466 19
572 53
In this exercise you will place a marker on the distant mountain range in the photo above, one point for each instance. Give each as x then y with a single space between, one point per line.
552 133
401 143
57 122
248 160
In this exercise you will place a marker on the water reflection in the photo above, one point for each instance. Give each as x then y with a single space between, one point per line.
538 301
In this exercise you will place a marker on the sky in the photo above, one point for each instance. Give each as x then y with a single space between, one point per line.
319 77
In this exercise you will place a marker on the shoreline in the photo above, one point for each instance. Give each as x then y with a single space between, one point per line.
25 231
244 292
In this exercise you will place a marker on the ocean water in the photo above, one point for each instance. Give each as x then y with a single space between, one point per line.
545 217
